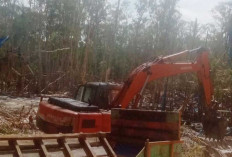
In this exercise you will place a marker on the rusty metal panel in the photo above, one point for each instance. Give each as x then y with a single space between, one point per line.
131 124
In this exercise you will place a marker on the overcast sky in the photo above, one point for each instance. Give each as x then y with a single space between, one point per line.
191 9
200 9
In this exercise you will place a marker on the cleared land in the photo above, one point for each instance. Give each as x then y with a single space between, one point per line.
17 116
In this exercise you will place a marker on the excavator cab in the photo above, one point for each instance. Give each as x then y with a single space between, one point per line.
87 112
98 93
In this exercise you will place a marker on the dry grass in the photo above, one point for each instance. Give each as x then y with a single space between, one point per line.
17 121
192 149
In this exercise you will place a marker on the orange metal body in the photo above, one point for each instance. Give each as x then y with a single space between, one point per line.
138 125
77 121
102 122
165 67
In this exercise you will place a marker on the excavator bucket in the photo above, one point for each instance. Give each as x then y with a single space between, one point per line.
136 126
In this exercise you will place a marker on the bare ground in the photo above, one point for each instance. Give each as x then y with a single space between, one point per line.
17 115
195 144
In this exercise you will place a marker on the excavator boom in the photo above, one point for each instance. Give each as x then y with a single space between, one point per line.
165 67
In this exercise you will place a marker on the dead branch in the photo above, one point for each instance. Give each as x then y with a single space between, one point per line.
56 50
52 83
16 71
28 66
26 86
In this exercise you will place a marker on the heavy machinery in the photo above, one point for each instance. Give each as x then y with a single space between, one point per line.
112 108
89 112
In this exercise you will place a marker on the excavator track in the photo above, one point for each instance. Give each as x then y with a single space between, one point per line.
70 145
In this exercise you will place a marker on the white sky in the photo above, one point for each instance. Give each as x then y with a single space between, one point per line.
191 9
200 9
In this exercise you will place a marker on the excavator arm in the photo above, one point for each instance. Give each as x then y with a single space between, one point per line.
214 126
165 67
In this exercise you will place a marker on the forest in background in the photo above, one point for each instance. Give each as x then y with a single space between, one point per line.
56 44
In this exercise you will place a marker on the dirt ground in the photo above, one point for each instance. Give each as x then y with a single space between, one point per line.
17 116
195 144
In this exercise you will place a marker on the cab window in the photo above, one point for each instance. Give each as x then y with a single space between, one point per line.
89 94
112 95
80 93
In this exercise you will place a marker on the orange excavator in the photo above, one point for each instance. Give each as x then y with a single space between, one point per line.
86 115
213 124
